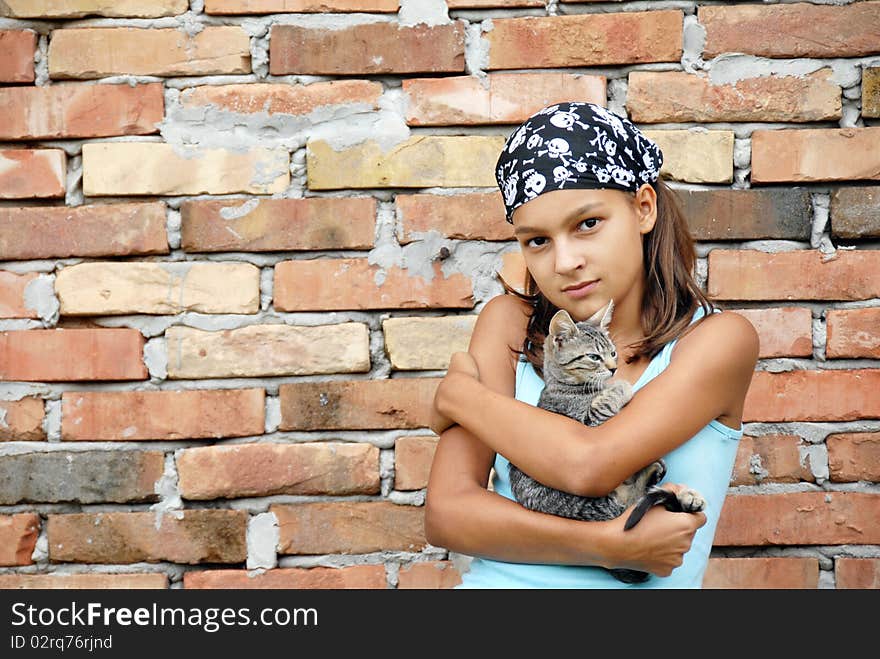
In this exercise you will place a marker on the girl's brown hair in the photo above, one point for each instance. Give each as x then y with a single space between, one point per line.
671 294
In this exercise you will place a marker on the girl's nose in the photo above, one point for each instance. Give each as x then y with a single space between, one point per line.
567 259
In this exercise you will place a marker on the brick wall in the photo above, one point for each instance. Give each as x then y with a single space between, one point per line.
239 240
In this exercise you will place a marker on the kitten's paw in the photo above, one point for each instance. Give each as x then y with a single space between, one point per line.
691 501
655 472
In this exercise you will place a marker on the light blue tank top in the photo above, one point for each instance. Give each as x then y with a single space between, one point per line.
704 463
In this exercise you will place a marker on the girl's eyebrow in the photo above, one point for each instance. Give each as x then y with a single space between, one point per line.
583 209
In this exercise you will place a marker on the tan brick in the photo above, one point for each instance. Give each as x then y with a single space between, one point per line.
815 154
425 161
428 575
779 213
299 6
481 4
57 355
468 216
500 98
349 528
247 470
154 168
80 110
42 232
95 581
798 275
871 92
357 404
82 8
369 48
189 536
813 396
412 461
862 573
273 98
675 96
81 476
783 332
27 173
269 225
112 288
318 578
422 344
22 420
268 350
13 295
715 164
854 456
338 284
162 415
18 537
772 573
853 333
791 30
18 48
771 459
855 212
799 518
109 51
585 40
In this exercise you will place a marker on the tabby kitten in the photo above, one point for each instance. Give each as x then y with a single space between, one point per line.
579 360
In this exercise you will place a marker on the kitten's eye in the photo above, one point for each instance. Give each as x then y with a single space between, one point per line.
614 353
594 357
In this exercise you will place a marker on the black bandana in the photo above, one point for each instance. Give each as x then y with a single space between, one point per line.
574 145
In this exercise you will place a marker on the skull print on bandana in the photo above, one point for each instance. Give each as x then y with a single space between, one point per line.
574 145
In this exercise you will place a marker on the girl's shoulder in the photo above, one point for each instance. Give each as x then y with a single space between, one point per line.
725 335
508 315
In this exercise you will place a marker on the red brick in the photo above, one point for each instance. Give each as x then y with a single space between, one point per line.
46 9
18 48
428 575
357 404
798 275
853 333
481 4
778 458
792 30
761 573
32 173
58 355
12 295
22 420
500 98
161 415
18 537
43 232
271 98
269 225
370 48
190 536
800 518
96 581
339 284
299 6
854 456
80 110
318 578
863 573
813 396
855 211
349 528
248 470
815 154
470 216
783 332
412 461
585 40
676 96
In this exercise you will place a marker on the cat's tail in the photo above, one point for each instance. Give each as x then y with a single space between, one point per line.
655 496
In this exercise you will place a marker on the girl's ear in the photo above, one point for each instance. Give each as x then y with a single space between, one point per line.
646 208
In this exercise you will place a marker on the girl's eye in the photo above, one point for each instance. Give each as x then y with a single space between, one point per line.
590 221
531 242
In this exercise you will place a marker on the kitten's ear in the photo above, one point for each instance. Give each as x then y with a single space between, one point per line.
602 318
562 324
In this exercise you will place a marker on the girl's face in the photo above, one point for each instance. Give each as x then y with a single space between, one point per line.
584 247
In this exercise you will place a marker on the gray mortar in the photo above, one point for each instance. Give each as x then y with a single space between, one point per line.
424 12
386 471
272 414
693 43
156 359
39 296
263 536
476 49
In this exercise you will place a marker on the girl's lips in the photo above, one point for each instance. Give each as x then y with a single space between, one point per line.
581 291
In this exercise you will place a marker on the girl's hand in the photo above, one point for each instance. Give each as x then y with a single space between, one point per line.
658 543
461 365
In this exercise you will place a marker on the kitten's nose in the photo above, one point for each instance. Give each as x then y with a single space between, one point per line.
612 370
